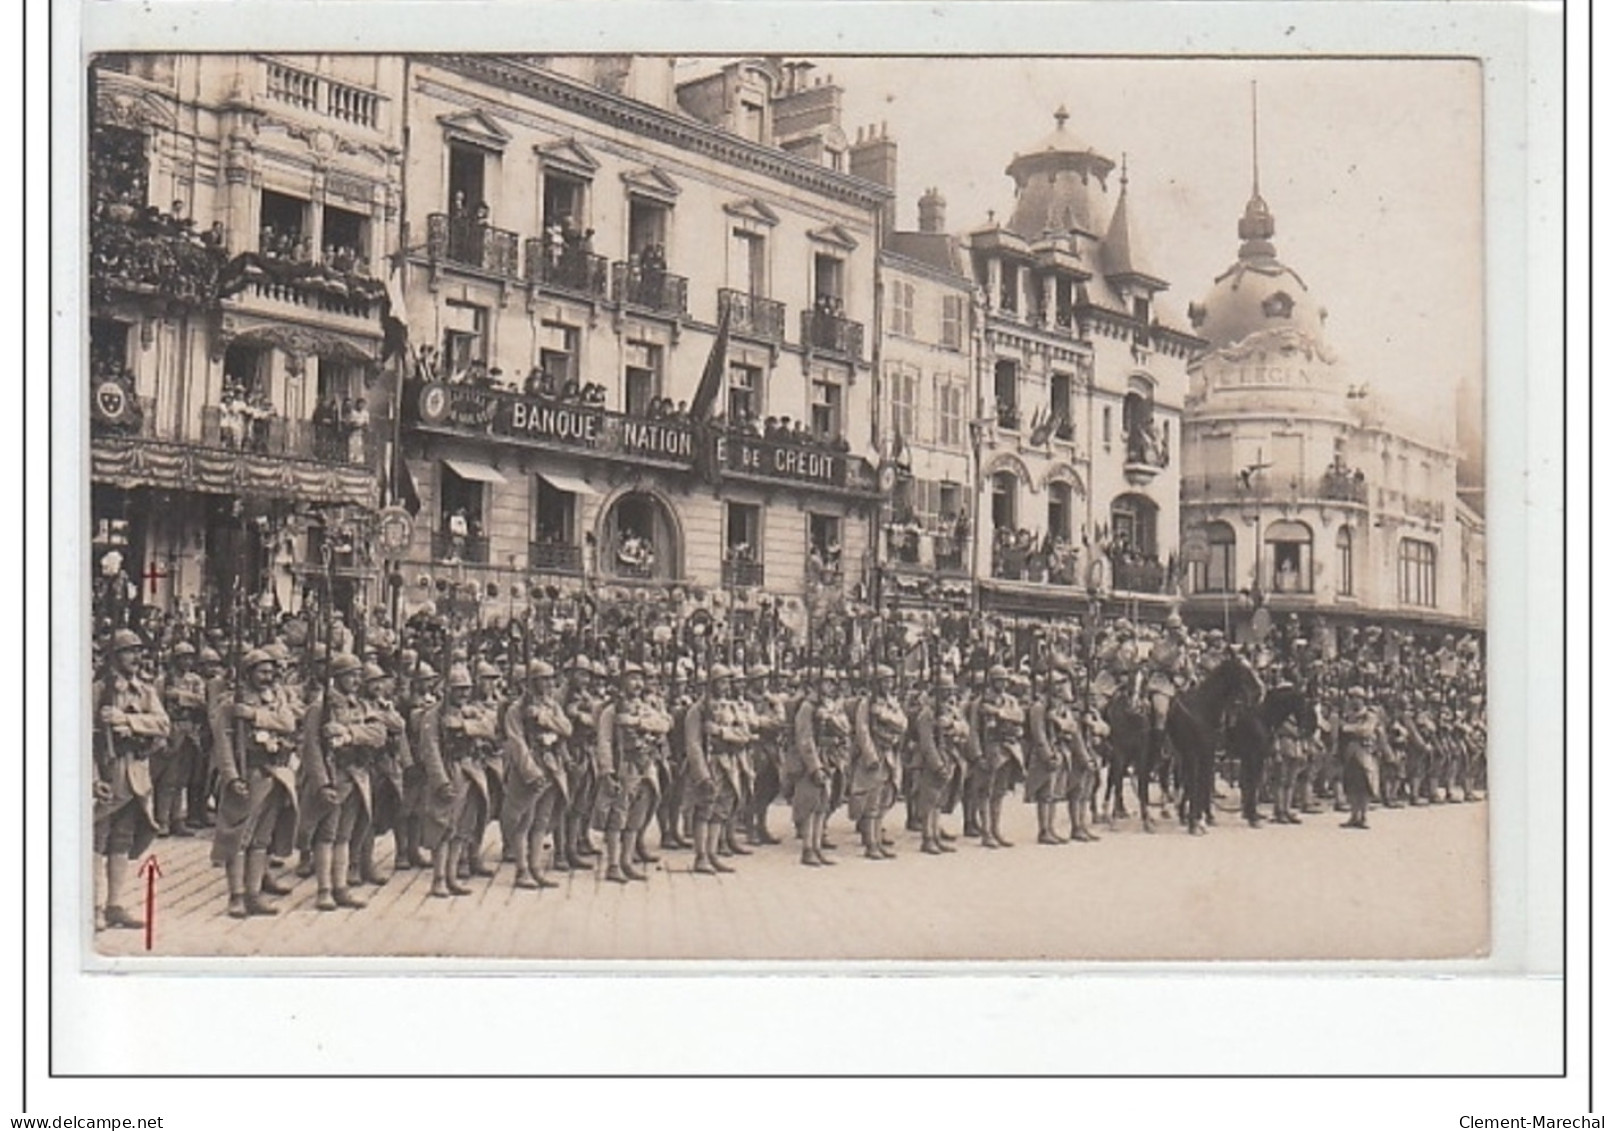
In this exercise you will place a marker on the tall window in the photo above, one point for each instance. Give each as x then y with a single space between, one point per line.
1105 425
824 538
827 283
1060 510
642 378
1006 392
346 238
558 353
554 515
1009 288
1343 563
460 506
950 412
563 204
905 396
1132 524
1289 552
903 308
467 171
1416 576
1216 575
748 270
1005 486
465 337
647 227
745 393
742 532
1060 404
953 321
826 419
282 224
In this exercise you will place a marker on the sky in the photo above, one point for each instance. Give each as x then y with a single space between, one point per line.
1372 169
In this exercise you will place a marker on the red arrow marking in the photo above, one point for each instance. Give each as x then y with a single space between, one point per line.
151 870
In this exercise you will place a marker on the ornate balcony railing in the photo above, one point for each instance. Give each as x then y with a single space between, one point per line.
559 266
311 297
832 333
447 547
742 574
320 95
467 242
650 288
555 557
752 315
268 434
1330 487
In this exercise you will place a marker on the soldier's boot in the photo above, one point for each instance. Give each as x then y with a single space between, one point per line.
731 841
305 863
440 870
614 847
870 836
703 862
324 900
341 869
939 835
269 885
929 844
535 856
235 879
451 873
575 833
632 846
642 853
714 835
255 868
760 833
996 818
524 875
473 855
414 853
913 821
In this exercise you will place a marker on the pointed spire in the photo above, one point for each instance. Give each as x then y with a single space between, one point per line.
1120 254
1256 226
1061 116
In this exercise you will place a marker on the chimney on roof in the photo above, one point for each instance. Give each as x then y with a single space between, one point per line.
933 212
874 158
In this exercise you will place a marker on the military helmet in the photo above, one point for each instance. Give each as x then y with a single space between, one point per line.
346 662
540 669
374 672
209 656
126 640
257 657
184 648
460 676
1124 627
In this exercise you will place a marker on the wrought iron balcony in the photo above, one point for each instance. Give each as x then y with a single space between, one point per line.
831 333
752 315
555 557
650 288
558 266
1137 577
1330 487
737 574
132 254
450 549
467 242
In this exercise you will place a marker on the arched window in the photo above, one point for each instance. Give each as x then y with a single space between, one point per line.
1343 563
1289 554
1132 524
1216 573
640 539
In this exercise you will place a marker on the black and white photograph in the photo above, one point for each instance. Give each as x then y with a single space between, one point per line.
785 507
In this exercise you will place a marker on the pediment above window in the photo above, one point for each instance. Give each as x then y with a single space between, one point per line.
652 183
567 156
834 236
752 210
474 127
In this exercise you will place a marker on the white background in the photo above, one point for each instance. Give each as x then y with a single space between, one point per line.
1503 1020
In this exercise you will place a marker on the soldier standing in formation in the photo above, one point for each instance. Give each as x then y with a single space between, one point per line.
255 730
715 739
815 763
879 724
131 726
632 733
536 731
583 706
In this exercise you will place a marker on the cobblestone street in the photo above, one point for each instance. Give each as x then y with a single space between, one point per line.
1412 886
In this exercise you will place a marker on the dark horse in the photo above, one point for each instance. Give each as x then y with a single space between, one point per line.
1128 748
1193 724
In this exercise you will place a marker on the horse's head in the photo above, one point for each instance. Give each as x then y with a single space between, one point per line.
1241 684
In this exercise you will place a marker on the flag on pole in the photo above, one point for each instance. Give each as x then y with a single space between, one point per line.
706 393
395 316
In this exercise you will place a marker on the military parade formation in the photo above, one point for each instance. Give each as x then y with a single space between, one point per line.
300 743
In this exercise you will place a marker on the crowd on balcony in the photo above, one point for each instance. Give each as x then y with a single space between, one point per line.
244 418
340 428
1346 483
779 430
824 562
145 248
287 257
1021 555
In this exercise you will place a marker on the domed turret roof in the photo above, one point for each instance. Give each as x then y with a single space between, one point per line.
1258 292
1060 183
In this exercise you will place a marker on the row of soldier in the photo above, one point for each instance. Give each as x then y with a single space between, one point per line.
320 753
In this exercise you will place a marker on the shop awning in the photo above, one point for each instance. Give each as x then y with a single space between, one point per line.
476 472
568 483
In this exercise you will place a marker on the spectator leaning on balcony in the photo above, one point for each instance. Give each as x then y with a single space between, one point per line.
231 420
357 422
